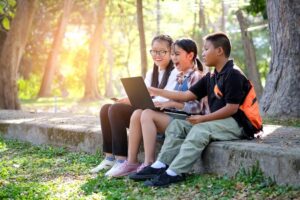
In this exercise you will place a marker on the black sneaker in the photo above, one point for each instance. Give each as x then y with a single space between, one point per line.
147 173
164 180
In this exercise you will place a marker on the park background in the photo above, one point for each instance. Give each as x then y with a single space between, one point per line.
67 56
60 53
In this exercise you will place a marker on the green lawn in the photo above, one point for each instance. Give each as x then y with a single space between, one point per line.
43 172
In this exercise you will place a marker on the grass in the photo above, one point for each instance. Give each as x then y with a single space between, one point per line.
44 172
284 122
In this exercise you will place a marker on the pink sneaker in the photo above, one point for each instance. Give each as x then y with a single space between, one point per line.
123 169
142 166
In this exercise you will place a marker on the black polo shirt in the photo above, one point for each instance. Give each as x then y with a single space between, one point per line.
232 83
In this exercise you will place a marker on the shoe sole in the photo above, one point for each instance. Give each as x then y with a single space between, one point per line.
121 175
142 177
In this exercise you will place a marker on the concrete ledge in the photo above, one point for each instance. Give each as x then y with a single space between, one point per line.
75 132
277 151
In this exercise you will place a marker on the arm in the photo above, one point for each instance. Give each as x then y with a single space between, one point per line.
176 96
223 113
170 104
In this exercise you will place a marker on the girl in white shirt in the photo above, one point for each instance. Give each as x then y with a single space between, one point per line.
115 118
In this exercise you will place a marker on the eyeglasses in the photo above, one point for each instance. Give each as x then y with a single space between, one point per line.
158 53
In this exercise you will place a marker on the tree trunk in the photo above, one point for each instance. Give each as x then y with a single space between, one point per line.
223 21
50 68
281 96
250 56
140 21
202 32
12 52
202 23
2 38
91 84
158 15
109 71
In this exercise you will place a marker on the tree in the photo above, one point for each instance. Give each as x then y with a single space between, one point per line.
223 21
91 91
158 16
52 62
12 52
249 52
281 96
140 22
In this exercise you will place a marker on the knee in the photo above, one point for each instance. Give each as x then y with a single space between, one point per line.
136 115
104 110
199 132
147 115
116 109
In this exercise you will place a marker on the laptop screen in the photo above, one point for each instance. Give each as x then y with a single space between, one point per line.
137 93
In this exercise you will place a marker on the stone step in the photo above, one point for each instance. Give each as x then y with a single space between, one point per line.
277 151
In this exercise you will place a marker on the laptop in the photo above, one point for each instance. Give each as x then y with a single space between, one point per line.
140 98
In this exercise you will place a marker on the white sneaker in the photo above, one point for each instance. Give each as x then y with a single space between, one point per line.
113 169
105 164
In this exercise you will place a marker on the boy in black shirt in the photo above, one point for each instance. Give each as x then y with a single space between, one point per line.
185 140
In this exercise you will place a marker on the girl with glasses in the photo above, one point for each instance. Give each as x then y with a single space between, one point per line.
115 118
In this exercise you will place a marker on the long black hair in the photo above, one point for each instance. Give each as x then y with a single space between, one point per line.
189 46
170 67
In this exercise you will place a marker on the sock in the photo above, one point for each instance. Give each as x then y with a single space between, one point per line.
120 161
110 158
158 165
171 172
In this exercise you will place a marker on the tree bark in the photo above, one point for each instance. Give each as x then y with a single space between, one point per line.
250 56
140 22
223 21
12 52
91 83
281 96
202 32
158 17
2 38
52 62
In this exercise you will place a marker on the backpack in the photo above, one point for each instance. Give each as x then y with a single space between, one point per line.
248 111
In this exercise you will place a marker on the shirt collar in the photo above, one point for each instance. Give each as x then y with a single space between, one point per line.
227 66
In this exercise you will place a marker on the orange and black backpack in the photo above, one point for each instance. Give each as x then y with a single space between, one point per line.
248 111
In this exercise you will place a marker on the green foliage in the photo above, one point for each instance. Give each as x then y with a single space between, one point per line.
7 13
43 172
257 7
29 190
28 89
252 176
5 23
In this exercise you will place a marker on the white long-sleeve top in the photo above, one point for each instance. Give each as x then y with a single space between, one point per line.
170 84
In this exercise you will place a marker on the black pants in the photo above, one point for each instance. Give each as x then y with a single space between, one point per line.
114 119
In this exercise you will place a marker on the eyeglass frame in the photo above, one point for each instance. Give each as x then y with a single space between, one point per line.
161 53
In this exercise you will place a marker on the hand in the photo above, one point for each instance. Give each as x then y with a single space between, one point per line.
152 91
166 104
124 100
196 119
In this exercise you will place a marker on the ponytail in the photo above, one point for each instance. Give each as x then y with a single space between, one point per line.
199 64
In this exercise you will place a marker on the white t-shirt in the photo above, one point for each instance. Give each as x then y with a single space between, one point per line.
170 84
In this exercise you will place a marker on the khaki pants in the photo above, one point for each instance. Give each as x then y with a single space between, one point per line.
185 142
